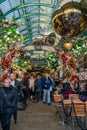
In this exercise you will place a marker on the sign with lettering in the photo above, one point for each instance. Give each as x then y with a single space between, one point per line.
37 61
42 47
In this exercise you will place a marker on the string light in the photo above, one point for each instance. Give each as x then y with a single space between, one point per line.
68 45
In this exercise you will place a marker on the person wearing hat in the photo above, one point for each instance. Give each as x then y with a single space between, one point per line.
10 95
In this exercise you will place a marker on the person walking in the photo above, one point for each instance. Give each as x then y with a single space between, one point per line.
16 84
46 83
31 87
38 88
25 90
10 97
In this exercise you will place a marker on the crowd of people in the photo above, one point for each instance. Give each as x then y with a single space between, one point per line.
32 88
26 87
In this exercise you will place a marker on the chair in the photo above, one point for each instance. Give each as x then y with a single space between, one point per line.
79 114
57 98
74 96
86 108
86 105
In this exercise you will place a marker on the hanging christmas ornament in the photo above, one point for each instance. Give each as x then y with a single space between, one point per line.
64 58
74 76
13 54
70 20
4 77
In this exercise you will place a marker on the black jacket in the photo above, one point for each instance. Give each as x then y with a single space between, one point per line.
18 86
10 98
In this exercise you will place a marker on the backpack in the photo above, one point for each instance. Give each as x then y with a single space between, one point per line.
2 101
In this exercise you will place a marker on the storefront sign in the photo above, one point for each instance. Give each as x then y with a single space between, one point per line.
37 61
46 48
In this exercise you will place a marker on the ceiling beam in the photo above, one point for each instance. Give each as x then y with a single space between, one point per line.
39 17
24 6
31 23
34 32
26 20
34 27
36 21
33 14
1 1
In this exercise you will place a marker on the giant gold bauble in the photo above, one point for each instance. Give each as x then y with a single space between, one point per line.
69 20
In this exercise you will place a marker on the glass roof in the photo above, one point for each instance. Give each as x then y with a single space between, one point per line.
35 15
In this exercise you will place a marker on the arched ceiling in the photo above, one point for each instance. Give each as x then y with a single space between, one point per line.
35 16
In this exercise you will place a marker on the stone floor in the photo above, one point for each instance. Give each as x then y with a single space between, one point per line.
38 116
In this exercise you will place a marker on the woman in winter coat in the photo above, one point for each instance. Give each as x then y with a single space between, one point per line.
10 97
31 87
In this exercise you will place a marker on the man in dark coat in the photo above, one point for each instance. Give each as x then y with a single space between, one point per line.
25 89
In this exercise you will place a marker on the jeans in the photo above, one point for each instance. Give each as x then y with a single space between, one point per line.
46 96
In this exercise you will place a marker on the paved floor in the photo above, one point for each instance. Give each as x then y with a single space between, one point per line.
38 116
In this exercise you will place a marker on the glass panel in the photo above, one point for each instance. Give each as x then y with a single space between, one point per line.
35 24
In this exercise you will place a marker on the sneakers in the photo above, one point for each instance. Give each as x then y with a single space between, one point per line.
44 102
49 103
